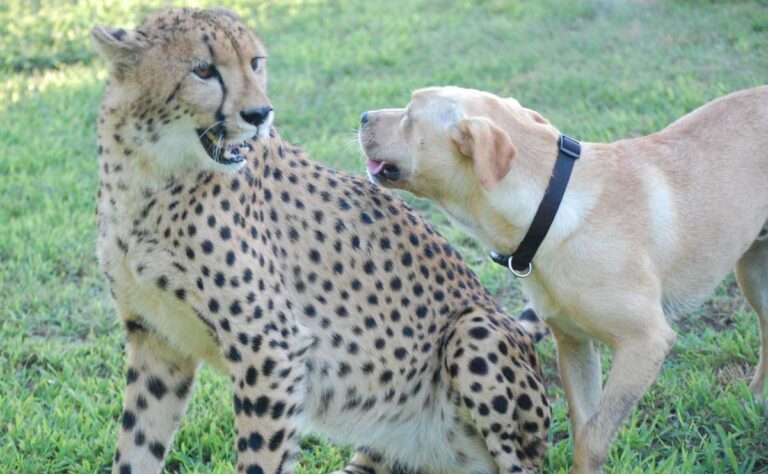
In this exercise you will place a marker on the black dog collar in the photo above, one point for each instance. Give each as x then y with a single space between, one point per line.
519 263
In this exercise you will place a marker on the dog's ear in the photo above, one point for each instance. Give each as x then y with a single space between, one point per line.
121 48
489 147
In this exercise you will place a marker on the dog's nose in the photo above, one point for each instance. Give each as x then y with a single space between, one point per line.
364 118
256 116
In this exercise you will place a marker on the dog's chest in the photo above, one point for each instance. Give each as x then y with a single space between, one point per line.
547 307
543 303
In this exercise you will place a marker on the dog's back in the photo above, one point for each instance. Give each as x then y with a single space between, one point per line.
706 183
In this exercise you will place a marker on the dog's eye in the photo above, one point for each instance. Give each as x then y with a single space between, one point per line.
205 71
256 63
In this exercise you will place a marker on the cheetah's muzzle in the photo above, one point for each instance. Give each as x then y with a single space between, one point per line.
226 154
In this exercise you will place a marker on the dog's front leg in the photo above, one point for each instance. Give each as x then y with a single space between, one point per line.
638 355
579 364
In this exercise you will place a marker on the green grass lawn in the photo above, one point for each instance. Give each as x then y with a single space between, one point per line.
600 70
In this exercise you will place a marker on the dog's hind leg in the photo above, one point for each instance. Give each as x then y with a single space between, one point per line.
752 276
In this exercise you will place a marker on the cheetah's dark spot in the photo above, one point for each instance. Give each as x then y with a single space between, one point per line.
156 387
128 420
157 449
524 401
478 366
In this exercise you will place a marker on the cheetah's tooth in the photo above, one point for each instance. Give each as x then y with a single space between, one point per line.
243 150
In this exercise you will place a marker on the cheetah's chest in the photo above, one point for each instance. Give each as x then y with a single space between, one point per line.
159 311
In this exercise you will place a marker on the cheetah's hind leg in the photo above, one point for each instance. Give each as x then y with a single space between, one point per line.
364 463
367 462
493 368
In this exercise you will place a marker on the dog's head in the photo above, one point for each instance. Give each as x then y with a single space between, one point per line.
454 146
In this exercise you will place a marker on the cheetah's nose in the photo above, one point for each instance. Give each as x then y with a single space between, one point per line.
364 118
256 116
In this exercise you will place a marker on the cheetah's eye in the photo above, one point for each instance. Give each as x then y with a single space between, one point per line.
205 71
256 63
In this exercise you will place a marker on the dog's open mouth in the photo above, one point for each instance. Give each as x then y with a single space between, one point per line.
219 151
383 170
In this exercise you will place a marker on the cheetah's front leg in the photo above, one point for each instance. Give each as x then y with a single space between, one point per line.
267 385
159 382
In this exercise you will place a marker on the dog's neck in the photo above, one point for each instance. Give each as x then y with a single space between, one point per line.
513 203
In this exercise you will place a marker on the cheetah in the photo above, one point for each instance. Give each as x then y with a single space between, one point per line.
332 306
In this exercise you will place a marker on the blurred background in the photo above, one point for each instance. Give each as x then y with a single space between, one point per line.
599 70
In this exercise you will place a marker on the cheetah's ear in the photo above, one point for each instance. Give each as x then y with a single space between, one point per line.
489 147
121 48
226 12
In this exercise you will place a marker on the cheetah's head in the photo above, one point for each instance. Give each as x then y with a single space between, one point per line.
188 88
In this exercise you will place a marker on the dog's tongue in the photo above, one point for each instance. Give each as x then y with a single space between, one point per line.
374 167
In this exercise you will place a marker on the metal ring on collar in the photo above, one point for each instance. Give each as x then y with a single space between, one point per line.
518 274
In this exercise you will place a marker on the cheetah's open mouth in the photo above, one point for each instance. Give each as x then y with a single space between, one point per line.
383 170
224 153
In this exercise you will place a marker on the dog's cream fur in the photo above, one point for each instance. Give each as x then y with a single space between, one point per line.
647 225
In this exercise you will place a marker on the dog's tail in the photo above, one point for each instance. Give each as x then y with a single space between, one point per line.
532 324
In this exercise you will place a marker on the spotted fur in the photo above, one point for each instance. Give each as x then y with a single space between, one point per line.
332 306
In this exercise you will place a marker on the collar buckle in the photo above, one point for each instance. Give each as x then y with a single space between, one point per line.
569 147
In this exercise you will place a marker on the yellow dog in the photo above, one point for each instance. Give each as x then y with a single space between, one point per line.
646 226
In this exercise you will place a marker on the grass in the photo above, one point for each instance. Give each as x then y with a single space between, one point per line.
600 70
